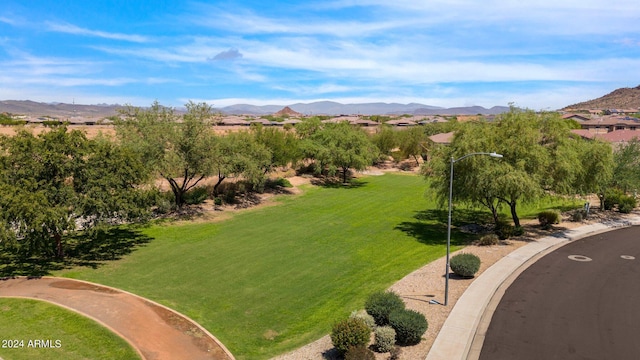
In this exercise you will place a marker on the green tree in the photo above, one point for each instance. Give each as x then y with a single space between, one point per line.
177 149
58 182
385 139
240 155
474 180
539 156
413 143
626 172
340 146
283 146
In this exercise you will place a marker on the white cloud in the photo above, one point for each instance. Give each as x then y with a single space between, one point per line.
76 30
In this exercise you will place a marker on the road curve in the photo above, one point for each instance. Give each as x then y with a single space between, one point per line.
155 331
577 302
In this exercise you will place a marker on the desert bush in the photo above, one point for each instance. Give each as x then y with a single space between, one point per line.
578 216
518 231
364 316
465 264
503 229
381 304
612 198
359 353
406 166
217 201
626 204
196 196
547 218
164 202
395 353
409 326
350 333
385 339
489 239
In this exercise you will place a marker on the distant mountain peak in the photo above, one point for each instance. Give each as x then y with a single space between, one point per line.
287 111
622 98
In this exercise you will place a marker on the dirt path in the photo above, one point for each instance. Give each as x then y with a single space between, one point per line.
154 330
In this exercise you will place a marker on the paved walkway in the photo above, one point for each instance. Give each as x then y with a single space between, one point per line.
155 331
462 335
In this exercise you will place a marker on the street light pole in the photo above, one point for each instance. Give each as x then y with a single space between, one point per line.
446 272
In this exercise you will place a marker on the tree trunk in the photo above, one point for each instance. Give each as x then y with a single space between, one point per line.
59 250
215 187
344 174
514 214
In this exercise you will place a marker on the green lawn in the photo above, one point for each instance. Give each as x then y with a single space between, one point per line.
272 279
71 336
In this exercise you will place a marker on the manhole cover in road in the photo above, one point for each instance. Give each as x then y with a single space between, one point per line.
628 257
579 258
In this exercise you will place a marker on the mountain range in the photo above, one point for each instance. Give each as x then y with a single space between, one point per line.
623 98
27 107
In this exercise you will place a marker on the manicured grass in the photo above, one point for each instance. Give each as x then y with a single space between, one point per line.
71 336
272 279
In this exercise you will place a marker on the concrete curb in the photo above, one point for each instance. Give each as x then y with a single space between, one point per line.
462 335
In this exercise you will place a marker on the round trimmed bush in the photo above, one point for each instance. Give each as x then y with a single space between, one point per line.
381 304
385 339
488 240
465 264
364 316
409 325
359 353
547 218
349 333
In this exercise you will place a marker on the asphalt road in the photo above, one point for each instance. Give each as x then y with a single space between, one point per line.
581 301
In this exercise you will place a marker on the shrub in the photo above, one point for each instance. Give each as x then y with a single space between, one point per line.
359 353
395 353
196 196
283 182
385 339
406 166
612 198
381 304
349 333
518 231
548 218
364 316
503 230
229 196
578 216
217 201
626 204
409 326
489 239
465 264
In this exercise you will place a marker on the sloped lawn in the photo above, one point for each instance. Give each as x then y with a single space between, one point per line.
272 279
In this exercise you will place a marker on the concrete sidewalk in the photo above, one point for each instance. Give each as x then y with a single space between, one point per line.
462 334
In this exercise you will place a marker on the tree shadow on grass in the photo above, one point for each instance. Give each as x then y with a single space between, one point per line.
430 226
91 249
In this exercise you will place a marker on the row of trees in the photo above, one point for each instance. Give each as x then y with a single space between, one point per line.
59 182
541 157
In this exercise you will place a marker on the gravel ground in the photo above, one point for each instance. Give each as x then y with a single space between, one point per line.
427 283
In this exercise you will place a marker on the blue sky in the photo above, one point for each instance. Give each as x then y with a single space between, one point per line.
538 54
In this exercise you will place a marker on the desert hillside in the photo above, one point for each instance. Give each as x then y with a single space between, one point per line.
623 98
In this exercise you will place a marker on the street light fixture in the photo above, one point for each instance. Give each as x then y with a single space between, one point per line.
446 282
